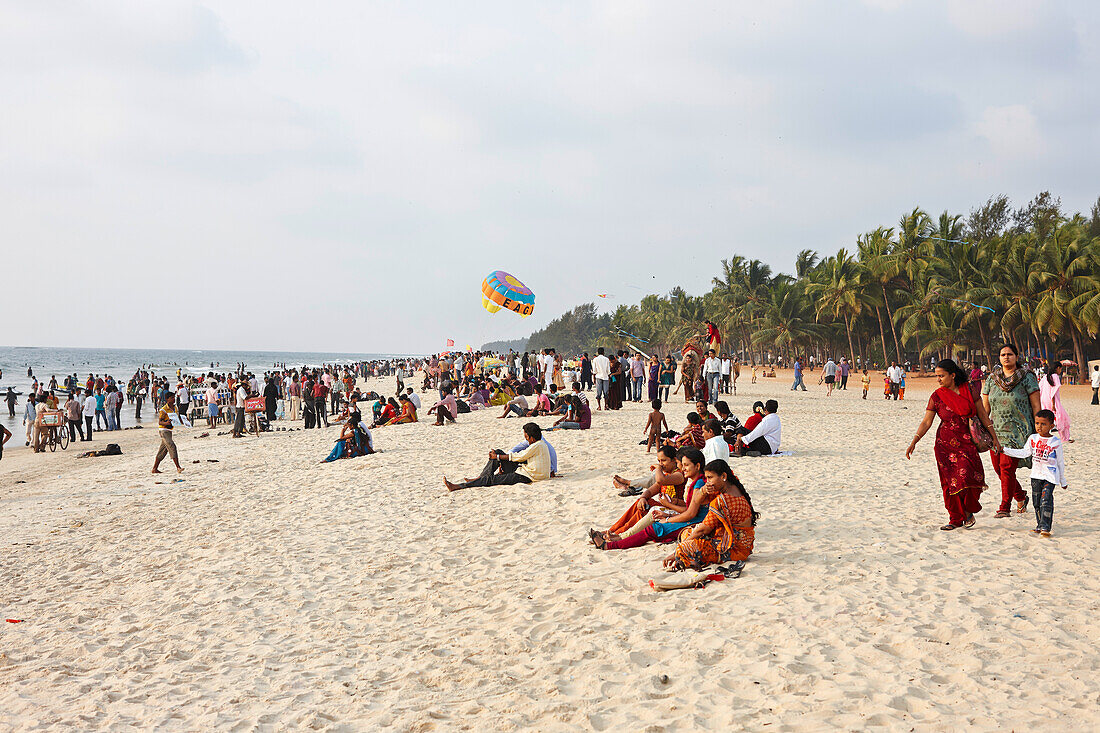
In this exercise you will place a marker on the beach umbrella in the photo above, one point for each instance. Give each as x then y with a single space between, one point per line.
1067 362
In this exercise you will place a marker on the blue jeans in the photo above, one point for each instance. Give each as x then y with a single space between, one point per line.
1042 497
111 423
638 388
98 415
569 426
798 382
714 381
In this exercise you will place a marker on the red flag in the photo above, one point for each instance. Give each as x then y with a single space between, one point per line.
450 343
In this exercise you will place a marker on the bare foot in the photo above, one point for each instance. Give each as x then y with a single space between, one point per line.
155 471
450 486
179 470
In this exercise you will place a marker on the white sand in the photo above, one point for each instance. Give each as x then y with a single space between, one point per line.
269 591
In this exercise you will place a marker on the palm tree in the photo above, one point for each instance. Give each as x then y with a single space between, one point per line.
805 262
787 318
882 267
1063 272
912 243
839 291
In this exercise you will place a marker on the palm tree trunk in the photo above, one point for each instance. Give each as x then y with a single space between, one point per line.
985 343
848 328
1078 352
890 317
881 331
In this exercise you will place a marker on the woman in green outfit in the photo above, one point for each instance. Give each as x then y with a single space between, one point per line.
1011 397
667 377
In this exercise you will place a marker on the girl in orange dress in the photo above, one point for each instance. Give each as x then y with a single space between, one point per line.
728 531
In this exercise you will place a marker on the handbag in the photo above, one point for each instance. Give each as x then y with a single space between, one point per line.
978 432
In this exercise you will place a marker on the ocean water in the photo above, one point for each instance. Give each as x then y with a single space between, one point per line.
47 361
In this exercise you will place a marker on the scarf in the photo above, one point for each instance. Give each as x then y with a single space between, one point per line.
1009 383
961 403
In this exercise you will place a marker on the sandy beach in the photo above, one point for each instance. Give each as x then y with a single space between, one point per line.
266 591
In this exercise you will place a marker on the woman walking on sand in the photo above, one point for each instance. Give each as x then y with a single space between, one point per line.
962 477
1050 398
1011 397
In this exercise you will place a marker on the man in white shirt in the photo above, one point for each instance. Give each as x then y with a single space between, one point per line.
894 373
829 375
89 414
1095 381
238 417
766 436
727 370
413 398
601 370
712 372
546 360
183 399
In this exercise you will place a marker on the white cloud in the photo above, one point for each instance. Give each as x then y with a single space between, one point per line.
1012 131
993 17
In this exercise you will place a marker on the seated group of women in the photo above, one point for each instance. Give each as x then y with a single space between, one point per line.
355 440
393 411
704 509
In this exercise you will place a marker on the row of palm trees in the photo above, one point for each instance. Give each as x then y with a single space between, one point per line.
927 287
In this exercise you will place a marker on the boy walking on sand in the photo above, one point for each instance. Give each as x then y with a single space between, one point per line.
1047 469
653 426
866 383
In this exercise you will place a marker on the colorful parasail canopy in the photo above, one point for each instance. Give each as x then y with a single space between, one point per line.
501 290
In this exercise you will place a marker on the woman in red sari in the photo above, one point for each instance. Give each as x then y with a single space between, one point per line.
962 477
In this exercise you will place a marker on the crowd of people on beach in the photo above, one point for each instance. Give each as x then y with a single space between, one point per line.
1013 411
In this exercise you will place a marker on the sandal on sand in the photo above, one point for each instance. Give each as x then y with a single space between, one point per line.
1001 515
1044 534
949 527
630 492
599 541
1021 506
970 522
1035 531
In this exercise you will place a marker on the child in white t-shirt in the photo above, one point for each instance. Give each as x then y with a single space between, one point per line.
1047 469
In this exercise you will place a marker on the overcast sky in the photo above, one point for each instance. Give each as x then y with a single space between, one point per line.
341 176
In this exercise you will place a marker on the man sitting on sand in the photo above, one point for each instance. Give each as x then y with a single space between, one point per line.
522 467
765 437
